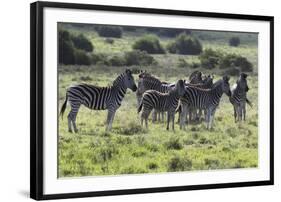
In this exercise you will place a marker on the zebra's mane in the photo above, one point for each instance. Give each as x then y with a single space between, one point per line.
119 78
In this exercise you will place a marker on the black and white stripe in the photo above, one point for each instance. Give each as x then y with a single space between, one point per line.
98 98
163 102
149 82
239 98
205 99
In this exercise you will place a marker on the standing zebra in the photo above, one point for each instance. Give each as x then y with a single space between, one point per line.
239 98
206 83
206 99
98 98
149 82
163 102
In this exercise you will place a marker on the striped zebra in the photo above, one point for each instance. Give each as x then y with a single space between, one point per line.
149 82
195 113
205 99
164 102
239 98
98 98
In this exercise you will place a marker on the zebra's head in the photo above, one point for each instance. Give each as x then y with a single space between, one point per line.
242 82
130 81
226 86
180 87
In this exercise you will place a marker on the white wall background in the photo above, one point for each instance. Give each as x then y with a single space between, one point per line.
14 100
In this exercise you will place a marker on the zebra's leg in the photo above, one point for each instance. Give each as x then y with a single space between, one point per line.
244 111
235 113
212 118
154 116
168 120
110 117
240 113
144 116
72 116
208 118
173 120
183 117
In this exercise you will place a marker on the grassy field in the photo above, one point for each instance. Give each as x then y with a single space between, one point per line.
129 148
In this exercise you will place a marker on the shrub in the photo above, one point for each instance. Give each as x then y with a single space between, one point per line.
232 71
81 57
234 41
110 31
210 59
99 58
72 49
66 48
172 32
117 61
174 143
81 42
233 60
178 163
150 44
138 57
185 44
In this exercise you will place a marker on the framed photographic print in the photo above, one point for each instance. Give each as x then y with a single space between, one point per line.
134 100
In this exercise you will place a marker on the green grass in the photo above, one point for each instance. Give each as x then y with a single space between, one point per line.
129 148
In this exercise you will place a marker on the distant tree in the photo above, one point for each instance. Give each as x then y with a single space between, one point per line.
66 48
234 41
150 44
186 45
110 31
81 42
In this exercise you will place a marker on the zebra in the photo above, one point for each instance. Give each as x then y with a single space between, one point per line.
98 98
195 77
239 97
149 82
207 83
164 102
206 99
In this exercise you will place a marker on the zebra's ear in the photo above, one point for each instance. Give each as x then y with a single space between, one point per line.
128 71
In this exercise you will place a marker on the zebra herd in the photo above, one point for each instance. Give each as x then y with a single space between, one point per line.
190 99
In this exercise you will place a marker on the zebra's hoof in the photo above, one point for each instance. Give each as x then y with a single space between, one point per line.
70 131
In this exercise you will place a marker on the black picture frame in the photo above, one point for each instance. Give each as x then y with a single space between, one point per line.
37 99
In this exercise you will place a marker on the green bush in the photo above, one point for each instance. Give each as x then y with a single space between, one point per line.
82 58
99 58
66 48
186 45
150 44
210 59
72 49
234 41
138 57
172 32
178 163
233 60
81 42
174 143
110 31
117 61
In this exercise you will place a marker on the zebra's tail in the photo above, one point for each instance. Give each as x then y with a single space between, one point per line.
140 107
63 107
249 102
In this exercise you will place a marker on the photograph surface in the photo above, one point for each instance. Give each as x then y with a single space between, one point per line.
137 100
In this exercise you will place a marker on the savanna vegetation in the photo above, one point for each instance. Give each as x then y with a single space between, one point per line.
130 149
